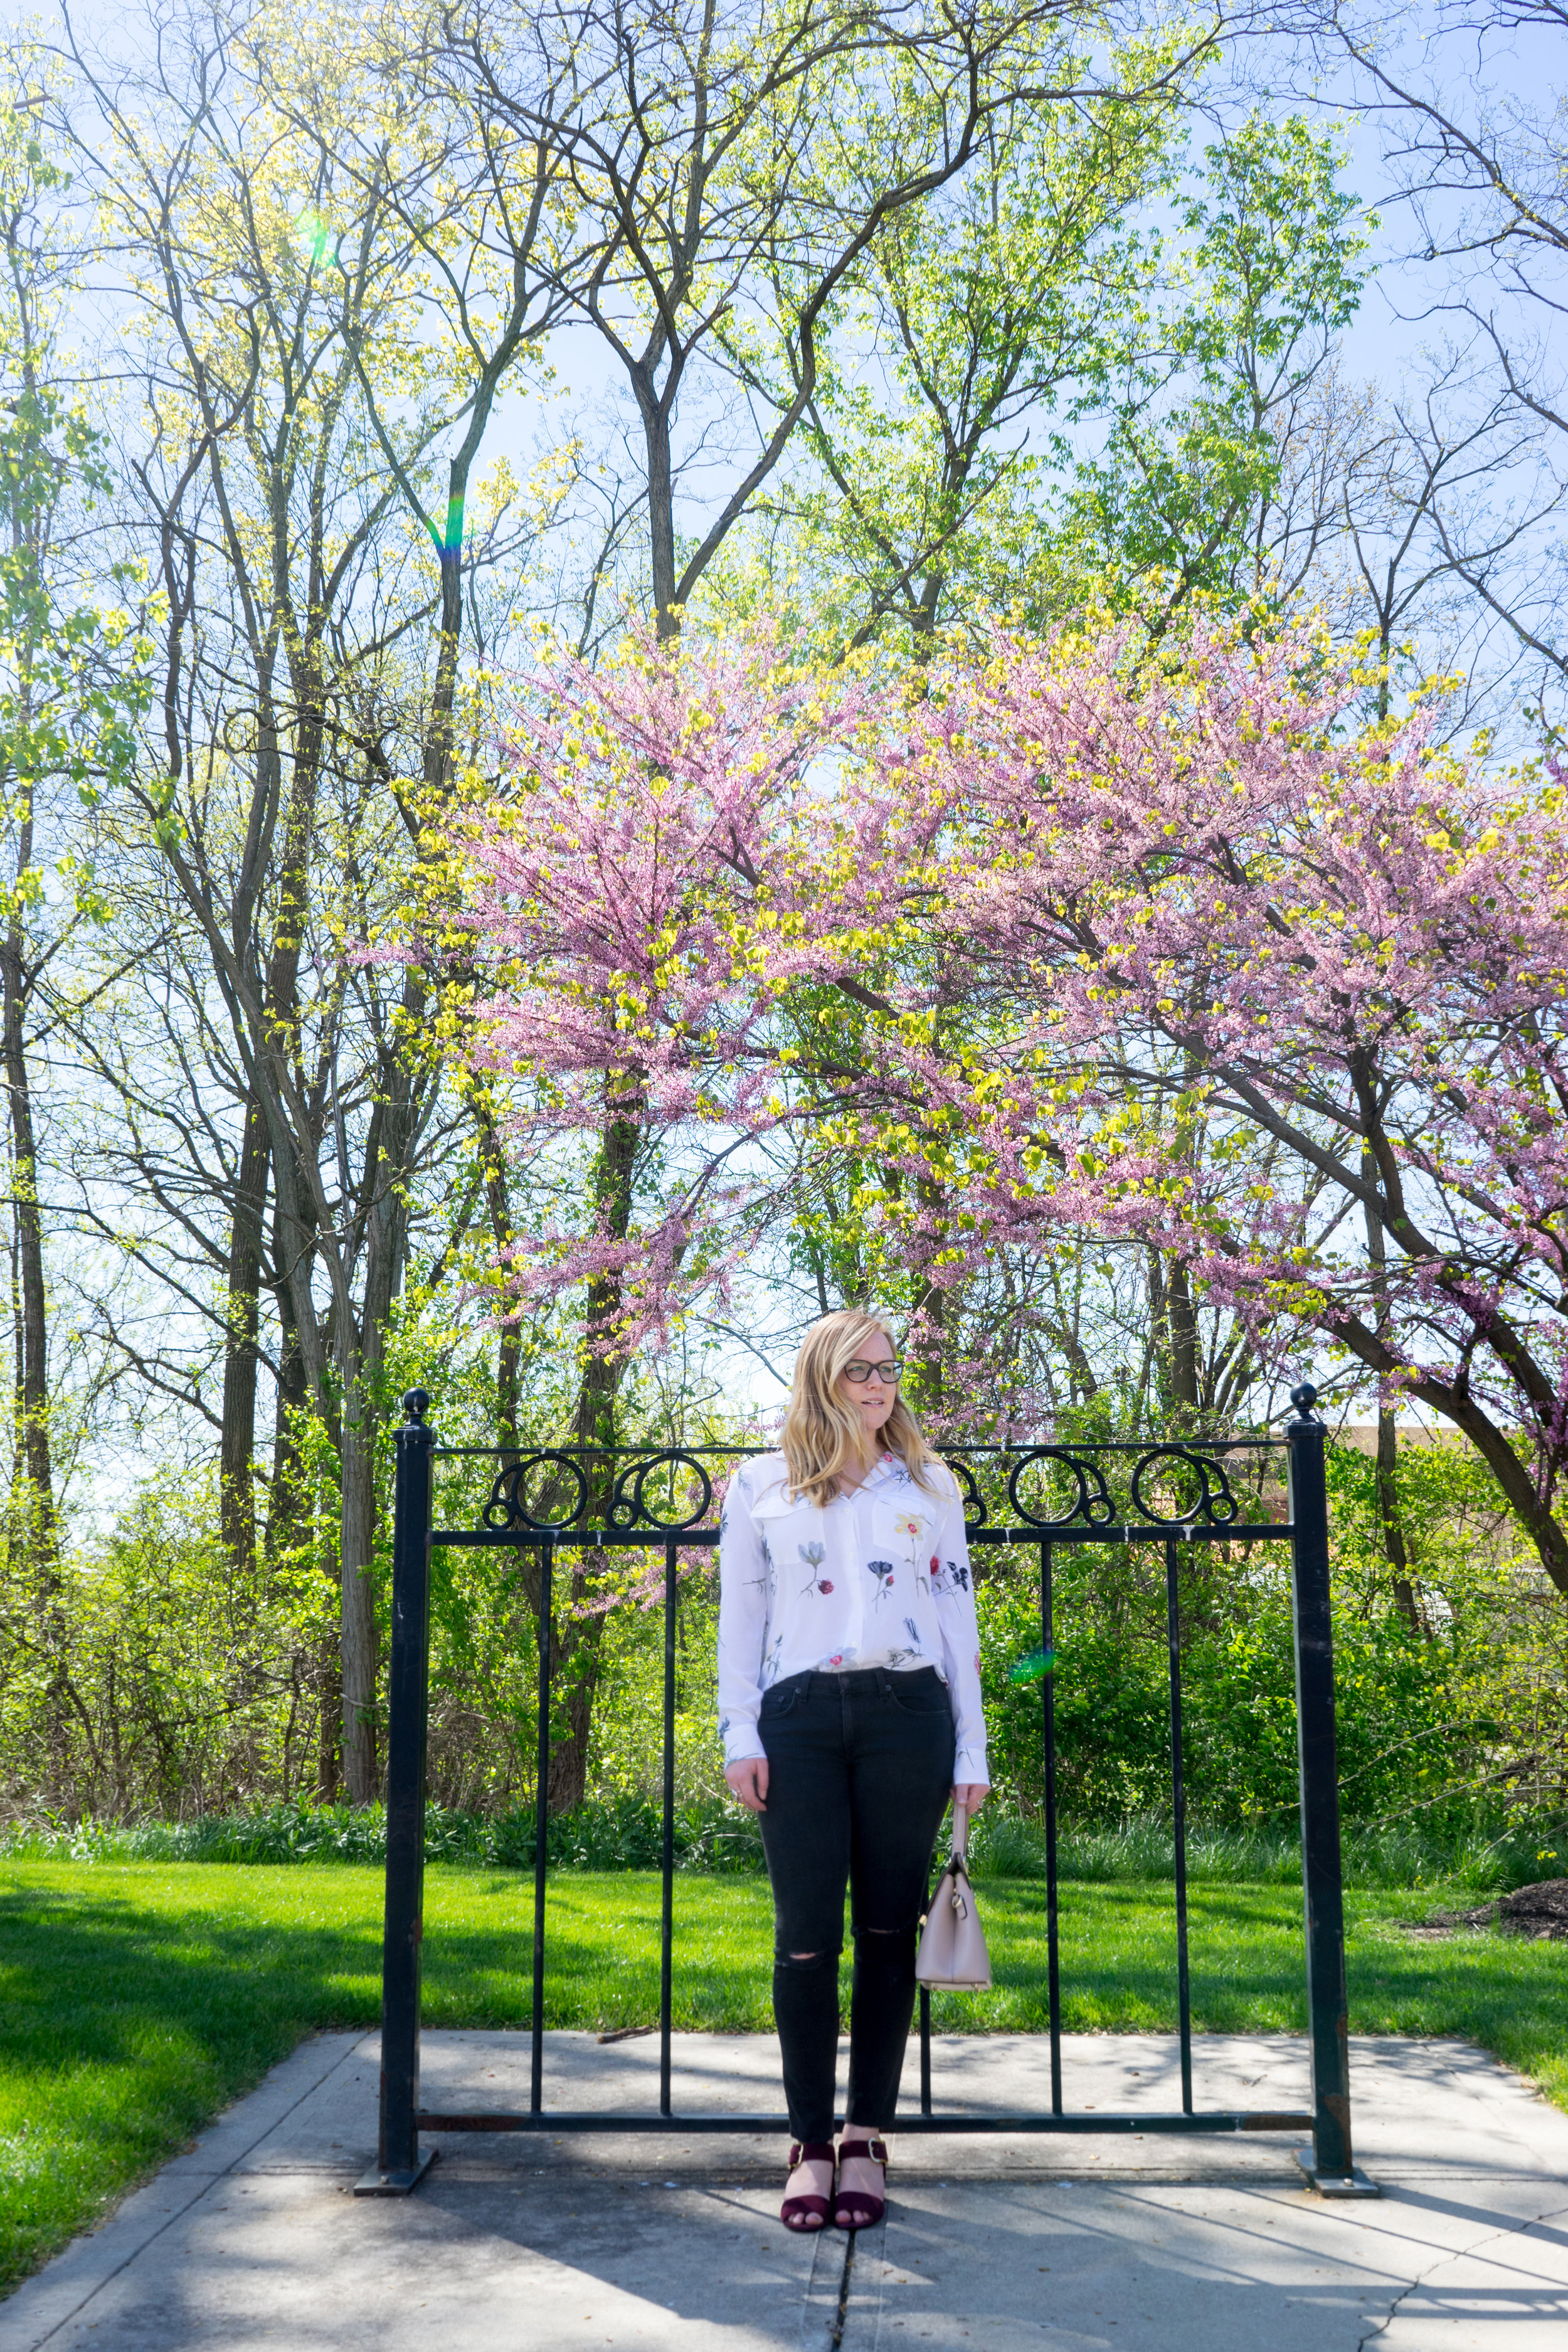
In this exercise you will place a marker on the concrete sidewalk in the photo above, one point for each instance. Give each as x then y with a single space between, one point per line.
254 2238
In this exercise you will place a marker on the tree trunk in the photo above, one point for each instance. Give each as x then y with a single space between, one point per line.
18 1352
1388 1518
286 1497
389 1154
34 1529
1182 1326
357 1640
508 1385
329 1682
1453 1401
577 1640
1393 1550
34 1505
508 1343
236 1444
922 621
1514 1476
655 412
930 1308
291 1525
577 1683
1173 1330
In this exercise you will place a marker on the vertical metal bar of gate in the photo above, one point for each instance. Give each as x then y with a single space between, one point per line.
666 1916
1321 1886
398 2163
1053 1947
541 1825
1179 1818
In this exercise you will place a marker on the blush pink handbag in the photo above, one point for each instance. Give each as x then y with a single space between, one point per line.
953 1944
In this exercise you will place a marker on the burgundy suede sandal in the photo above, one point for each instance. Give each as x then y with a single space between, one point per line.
858 2208
808 2212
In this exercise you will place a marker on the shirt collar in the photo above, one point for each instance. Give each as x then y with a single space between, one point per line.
885 1469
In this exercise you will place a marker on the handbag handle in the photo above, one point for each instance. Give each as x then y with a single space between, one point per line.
961 1832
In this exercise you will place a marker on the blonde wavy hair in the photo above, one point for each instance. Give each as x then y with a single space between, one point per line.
822 1433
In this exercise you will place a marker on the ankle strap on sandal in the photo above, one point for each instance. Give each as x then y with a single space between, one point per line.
877 2149
810 2151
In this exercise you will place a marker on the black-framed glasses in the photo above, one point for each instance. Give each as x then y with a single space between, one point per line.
861 1371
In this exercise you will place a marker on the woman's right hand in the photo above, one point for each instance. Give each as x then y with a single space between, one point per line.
748 1780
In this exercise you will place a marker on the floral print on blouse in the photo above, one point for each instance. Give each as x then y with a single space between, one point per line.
879 1578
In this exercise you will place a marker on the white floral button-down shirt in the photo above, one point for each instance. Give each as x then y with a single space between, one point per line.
879 1578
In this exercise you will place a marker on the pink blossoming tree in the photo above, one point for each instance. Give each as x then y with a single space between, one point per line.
1083 939
673 854
1291 1003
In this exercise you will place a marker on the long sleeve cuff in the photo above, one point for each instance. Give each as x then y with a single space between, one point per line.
742 1739
969 1764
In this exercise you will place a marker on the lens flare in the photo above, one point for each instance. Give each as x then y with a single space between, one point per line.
314 232
1030 1669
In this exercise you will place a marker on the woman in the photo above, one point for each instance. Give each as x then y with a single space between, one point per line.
849 1689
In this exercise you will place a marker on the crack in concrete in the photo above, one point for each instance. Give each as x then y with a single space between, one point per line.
1387 2320
1455 2254
825 2310
841 2316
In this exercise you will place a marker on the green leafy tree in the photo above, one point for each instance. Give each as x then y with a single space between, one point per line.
323 316
1184 498
973 330
72 687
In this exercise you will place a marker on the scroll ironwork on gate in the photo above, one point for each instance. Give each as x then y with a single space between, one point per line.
1039 1497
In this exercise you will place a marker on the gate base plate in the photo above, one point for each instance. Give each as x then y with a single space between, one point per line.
1336 2184
377 2183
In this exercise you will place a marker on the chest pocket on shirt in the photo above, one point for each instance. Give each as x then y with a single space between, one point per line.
783 1521
909 1524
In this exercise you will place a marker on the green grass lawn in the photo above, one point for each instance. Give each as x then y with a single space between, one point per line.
137 1998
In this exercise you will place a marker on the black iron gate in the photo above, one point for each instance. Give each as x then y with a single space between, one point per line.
1165 1495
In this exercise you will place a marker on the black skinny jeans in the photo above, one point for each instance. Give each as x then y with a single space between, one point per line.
860 1772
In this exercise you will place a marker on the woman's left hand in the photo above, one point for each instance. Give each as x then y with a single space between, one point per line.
971 1795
